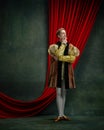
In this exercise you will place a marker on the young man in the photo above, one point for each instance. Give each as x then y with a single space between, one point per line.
61 74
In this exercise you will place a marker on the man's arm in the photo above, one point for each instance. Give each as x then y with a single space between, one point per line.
60 51
73 50
67 58
57 54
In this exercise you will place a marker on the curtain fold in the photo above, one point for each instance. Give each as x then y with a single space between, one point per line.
77 17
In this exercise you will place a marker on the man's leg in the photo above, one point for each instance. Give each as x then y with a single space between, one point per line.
63 95
59 101
63 100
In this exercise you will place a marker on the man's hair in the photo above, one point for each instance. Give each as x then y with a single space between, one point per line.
59 30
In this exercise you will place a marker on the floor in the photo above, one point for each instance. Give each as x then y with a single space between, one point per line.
47 123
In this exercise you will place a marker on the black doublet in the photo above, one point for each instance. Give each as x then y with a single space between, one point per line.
66 79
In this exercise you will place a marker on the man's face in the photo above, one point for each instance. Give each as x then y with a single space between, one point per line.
62 34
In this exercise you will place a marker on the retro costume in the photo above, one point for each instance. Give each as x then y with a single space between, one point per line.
62 68
61 74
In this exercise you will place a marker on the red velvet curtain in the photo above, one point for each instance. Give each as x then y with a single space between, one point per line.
77 17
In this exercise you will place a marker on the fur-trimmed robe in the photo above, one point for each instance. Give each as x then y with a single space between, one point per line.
54 79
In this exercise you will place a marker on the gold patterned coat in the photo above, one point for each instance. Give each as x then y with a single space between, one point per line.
57 54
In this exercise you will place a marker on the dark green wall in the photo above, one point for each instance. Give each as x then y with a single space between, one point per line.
23 47
23 58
